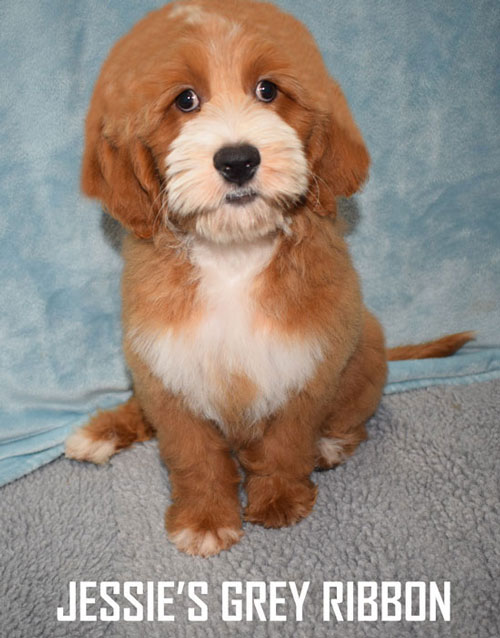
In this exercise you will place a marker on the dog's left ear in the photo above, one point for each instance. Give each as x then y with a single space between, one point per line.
339 160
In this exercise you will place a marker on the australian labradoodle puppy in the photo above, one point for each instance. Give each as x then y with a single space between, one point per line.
218 139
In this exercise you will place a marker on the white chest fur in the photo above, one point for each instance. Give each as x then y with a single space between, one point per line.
196 362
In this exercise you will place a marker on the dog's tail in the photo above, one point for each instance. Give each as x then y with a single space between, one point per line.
108 432
442 347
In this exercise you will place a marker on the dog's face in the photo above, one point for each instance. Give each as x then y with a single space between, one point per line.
218 117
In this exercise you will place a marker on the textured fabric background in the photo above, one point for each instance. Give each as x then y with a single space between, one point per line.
422 81
418 501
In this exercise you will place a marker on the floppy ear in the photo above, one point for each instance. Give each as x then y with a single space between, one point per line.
339 159
123 176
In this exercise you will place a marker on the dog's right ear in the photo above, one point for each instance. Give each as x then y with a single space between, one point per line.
124 177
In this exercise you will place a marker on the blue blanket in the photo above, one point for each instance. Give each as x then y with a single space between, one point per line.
425 234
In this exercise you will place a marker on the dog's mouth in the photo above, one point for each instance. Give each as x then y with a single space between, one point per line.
241 197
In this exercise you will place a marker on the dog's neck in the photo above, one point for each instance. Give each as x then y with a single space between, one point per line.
232 261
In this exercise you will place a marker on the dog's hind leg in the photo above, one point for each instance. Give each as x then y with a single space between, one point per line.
361 388
357 398
108 432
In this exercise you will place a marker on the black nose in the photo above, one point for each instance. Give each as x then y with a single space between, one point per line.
237 163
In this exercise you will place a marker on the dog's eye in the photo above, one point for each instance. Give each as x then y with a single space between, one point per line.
187 101
266 91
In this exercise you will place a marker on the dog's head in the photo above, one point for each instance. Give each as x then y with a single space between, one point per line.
218 117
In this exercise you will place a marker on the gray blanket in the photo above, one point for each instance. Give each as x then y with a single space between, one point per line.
418 502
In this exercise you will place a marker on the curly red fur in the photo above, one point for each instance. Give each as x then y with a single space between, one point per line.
305 299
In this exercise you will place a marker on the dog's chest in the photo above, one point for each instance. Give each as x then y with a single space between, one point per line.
230 361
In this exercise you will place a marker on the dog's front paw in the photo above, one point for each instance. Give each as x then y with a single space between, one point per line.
199 535
275 502
81 446
205 542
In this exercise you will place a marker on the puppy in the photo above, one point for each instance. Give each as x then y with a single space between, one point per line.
216 136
